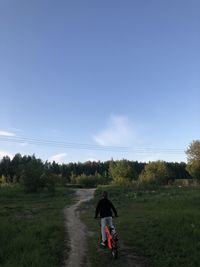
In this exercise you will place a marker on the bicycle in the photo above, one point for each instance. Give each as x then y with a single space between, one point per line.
112 241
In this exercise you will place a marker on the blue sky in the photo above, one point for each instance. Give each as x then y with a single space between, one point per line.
101 73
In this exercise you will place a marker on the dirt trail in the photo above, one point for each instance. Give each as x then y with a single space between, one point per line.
76 229
77 238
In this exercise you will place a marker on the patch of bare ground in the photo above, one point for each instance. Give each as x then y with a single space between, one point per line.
76 231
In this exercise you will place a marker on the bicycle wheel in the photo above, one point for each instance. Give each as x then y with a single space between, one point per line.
114 250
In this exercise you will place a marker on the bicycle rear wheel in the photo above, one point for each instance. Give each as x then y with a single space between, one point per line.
114 250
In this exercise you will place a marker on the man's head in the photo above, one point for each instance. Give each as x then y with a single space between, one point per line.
105 194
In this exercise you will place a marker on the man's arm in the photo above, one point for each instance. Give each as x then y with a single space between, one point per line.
97 210
113 208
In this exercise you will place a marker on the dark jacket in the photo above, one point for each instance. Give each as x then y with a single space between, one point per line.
105 208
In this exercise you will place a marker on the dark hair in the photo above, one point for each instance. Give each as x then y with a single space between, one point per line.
105 194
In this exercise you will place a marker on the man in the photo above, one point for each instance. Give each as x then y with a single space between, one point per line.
105 208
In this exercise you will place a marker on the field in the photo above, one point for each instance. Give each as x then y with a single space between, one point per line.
162 226
32 228
158 227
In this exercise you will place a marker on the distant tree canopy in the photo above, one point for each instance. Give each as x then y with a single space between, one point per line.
31 176
193 158
193 151
34 174
156 172
124 171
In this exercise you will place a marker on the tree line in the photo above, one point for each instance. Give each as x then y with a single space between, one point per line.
34 174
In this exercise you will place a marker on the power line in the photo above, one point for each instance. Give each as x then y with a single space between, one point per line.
70 145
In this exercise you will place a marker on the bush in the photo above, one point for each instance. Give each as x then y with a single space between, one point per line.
193 157
3 180
122 172
183 182
48 181
155 173
91 180
194 169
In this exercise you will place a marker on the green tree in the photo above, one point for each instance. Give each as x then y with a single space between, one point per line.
91 180
193 158
55 168
31 175
155 172
6 169
48 181
121 171
17 166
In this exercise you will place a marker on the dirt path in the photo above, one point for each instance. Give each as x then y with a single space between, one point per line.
77 238
76 229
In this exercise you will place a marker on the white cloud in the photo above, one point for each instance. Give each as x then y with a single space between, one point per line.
6 153
5 133
59 158
119 132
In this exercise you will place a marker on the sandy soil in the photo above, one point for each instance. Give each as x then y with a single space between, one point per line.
76 229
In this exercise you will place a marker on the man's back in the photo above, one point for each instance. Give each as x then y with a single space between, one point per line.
105 207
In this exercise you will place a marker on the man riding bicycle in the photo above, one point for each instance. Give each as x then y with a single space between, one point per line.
105 208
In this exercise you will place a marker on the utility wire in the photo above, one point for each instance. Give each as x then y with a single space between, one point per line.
69 145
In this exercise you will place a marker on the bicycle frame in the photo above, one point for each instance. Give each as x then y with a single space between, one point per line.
111 242
109 237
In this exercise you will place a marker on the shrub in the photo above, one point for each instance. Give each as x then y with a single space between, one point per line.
91 180
48 181
122 172
183 182
193 157
194 169
155 173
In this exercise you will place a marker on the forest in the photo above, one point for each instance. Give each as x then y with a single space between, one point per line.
34 174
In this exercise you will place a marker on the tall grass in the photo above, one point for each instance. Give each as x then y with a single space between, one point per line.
163 224
32 228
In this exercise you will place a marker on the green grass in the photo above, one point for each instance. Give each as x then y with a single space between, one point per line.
32 228
162 225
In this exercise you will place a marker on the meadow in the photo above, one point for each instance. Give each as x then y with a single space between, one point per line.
32 227
161 226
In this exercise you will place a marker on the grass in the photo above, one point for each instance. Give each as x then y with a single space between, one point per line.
162 225
32 228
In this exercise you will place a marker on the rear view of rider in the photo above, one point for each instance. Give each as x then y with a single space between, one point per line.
105 208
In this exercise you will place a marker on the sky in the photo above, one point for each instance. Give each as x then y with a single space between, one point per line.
99 80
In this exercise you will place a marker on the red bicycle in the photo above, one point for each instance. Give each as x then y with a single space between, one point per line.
112 241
